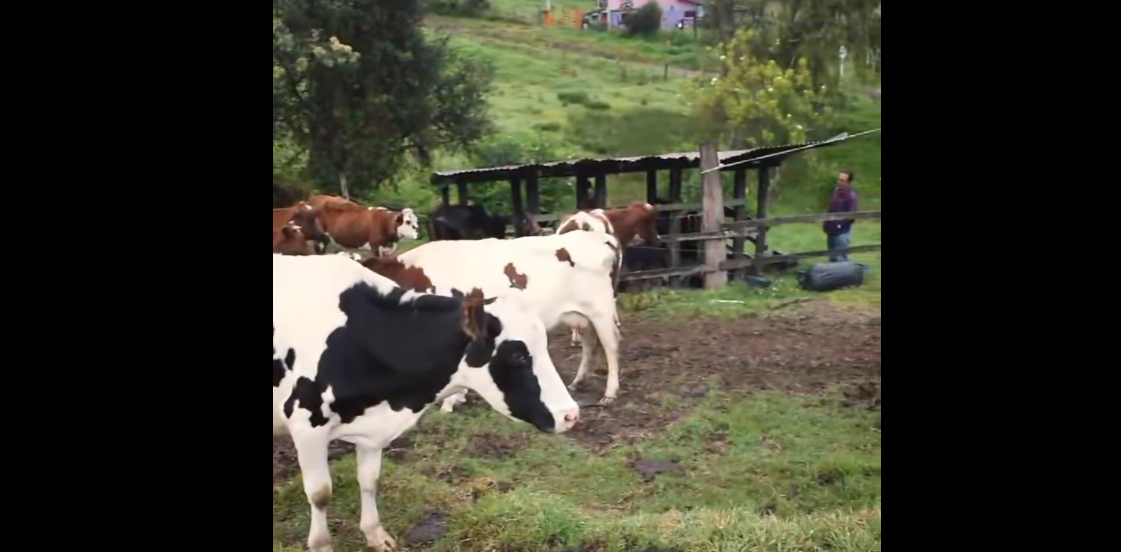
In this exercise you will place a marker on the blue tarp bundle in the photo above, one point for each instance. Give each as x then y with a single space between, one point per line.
831 276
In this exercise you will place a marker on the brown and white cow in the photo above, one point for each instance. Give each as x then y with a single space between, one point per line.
290 240
566 278
633 224
304 215
374 229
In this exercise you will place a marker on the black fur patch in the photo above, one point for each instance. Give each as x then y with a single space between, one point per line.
512 370
310 396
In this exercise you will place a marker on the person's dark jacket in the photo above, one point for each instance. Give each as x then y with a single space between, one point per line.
843 200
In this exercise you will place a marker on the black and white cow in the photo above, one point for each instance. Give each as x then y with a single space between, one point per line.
359 359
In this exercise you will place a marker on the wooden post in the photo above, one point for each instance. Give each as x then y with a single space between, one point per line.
445 195
533 193
601 191
761 213
651 185
518 206
739 193
461 192
712 214
582 187
675 224
675 185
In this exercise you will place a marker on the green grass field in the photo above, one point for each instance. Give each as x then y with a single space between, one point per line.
738 496
631 108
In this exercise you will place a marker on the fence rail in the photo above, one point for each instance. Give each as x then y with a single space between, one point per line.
751 228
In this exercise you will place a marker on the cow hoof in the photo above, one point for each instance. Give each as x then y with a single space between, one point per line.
446 409
381 541
606 401
573 386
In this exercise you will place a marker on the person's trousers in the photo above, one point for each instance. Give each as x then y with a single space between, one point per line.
839 241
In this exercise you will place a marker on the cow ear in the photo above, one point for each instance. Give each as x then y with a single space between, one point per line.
474 317
400 219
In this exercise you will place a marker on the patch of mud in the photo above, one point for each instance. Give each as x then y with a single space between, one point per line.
830 477
666 366
399 449
648 469
865 394
429 528
452 475
494 446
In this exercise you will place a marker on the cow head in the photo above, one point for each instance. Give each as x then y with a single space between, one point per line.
647 223
307 218
507 363
408 227
290 240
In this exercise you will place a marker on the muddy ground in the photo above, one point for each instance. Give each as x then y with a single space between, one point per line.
802 351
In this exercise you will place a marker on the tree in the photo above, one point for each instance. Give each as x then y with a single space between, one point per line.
813 30
356 84
645 21
759 102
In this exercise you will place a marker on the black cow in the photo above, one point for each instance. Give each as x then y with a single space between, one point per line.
472 222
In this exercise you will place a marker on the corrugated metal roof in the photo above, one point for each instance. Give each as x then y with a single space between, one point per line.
613 165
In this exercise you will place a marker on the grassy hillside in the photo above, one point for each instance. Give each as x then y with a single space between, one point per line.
597 94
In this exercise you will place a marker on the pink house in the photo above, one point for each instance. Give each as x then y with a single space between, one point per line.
675 13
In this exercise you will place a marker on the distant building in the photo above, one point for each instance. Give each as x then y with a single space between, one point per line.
676 14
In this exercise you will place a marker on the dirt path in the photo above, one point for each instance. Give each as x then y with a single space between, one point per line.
800 352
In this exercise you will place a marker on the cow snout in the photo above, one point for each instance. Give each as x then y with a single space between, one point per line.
568 419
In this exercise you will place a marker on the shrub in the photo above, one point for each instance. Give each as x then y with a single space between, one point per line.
645 21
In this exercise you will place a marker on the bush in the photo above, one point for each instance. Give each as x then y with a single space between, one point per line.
645 21
458 8
579 97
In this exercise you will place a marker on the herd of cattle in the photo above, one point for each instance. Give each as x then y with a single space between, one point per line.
363 345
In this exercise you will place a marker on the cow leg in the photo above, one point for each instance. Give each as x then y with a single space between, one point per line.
608 334
456 398
311 450
590 341
369 468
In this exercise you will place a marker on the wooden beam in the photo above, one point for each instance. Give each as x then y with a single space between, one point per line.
518 206
739 192
712 216
461 192
675 184
533 193
651 185
601 191
582 187
445 195
662 273
761 211
794 219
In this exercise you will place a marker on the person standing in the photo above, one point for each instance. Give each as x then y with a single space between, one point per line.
838 233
